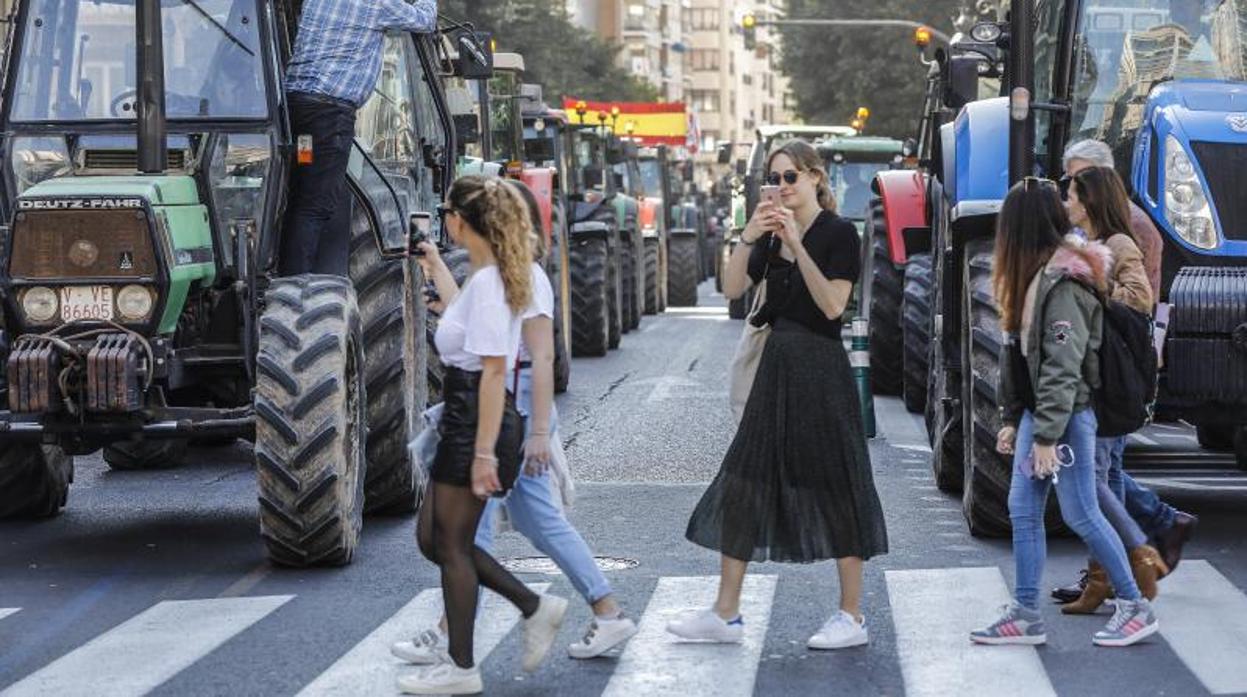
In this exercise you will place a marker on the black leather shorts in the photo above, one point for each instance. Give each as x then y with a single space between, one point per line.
455 452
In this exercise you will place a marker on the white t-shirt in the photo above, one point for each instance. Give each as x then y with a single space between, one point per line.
478 323
542 305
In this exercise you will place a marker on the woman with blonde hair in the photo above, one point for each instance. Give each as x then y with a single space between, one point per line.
479 454
796 485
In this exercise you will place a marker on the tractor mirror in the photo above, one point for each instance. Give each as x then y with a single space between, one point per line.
742 167
962 84
618 178
476 60
467 129
532 94
725 154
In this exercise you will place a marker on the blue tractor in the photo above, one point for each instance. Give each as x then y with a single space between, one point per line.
1164 83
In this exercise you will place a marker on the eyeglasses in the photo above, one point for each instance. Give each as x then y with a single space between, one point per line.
444 209
790 177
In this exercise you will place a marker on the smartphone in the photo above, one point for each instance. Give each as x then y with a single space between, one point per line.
770 193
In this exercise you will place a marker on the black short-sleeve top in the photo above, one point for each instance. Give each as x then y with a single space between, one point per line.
833 244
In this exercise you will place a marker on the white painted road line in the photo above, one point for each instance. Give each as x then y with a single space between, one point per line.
934 611
143 652
369 669
1203 616
656 663
6 611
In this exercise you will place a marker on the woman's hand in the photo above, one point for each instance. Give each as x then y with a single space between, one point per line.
537 454
430 258
1046 462
485 481
1006 439
762 222
787 230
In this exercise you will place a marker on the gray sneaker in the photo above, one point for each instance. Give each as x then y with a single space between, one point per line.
1017 625
1133 622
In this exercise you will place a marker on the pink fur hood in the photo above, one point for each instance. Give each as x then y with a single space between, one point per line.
1066 262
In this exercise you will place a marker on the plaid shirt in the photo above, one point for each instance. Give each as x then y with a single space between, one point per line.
338 49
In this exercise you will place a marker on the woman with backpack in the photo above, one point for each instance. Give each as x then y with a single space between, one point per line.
796 484
1046 283
1098 204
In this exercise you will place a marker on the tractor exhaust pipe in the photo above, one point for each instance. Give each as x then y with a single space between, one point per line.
1021 90
153 139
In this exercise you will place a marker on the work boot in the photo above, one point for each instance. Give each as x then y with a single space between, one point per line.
1093 594
1148 568
1170 542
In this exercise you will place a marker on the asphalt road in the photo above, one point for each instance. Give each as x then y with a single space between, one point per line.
155 582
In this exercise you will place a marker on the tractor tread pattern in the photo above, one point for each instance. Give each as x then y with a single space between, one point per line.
886 289
34 480
682 272
916 330
590 303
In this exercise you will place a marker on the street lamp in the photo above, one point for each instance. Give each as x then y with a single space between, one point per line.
630 128
614 117
581 108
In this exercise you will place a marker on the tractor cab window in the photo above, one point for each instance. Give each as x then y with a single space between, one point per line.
238 172
651 177
851 183
503 109
77 61
385 124
589 165
1125 48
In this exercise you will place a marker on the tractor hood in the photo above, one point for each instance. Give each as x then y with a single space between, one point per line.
1203 123
158 191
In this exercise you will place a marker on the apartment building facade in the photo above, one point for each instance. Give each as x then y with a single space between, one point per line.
652 33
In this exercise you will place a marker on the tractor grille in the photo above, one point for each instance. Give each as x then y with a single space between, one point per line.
126 160
51 245
1223 165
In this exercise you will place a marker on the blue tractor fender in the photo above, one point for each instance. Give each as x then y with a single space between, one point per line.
981 155
1194 114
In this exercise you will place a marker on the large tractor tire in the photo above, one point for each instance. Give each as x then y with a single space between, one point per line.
631 298
34 480
390 299
886 289
559 268
138 455
615 295
916 331
311 415
651 276
1225 438
591 315
682 271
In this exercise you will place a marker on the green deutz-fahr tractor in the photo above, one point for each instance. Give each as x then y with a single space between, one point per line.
144 192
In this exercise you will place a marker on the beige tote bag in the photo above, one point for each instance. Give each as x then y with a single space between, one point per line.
744 366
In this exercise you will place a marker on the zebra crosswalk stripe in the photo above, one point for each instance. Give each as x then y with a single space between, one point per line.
6 611
369 669
934 611
1203 617
138 655
656 664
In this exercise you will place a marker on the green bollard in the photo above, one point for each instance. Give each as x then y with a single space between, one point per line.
859 358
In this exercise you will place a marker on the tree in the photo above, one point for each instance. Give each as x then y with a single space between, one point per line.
563 58
875 68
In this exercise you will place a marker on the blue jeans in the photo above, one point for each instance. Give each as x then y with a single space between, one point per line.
536 516
1110 490
1076 493
1153 515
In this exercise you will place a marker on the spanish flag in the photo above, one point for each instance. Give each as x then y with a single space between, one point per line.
649 123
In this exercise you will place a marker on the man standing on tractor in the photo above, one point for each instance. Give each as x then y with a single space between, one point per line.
337 58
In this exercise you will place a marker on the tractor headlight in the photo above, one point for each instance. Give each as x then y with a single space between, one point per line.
1186 201
40 304
134 303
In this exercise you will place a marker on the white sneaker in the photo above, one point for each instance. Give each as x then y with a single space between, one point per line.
706 625
444 678
540 630
840 632
603 635
426 649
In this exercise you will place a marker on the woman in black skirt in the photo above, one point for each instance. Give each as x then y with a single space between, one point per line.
796 484
478 339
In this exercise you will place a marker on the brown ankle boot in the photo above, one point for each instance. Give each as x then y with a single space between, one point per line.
1148 568
1093 595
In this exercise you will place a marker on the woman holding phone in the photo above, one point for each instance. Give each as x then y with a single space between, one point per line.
796 484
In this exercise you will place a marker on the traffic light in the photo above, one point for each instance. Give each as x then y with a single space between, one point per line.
749 27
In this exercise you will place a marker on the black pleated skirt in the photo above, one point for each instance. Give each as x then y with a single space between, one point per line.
457 430
796 484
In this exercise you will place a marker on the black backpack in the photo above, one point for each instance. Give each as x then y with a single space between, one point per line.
1128 369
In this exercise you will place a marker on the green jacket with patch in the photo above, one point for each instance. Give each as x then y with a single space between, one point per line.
1062 348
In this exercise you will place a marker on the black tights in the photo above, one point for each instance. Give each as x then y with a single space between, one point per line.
446 535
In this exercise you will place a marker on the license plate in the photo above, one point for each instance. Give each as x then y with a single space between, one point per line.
86 303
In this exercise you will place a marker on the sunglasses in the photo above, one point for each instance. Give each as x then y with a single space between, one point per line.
1064 183
445 210
1030 183
790 177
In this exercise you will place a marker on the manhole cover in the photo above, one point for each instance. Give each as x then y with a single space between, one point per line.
546 565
